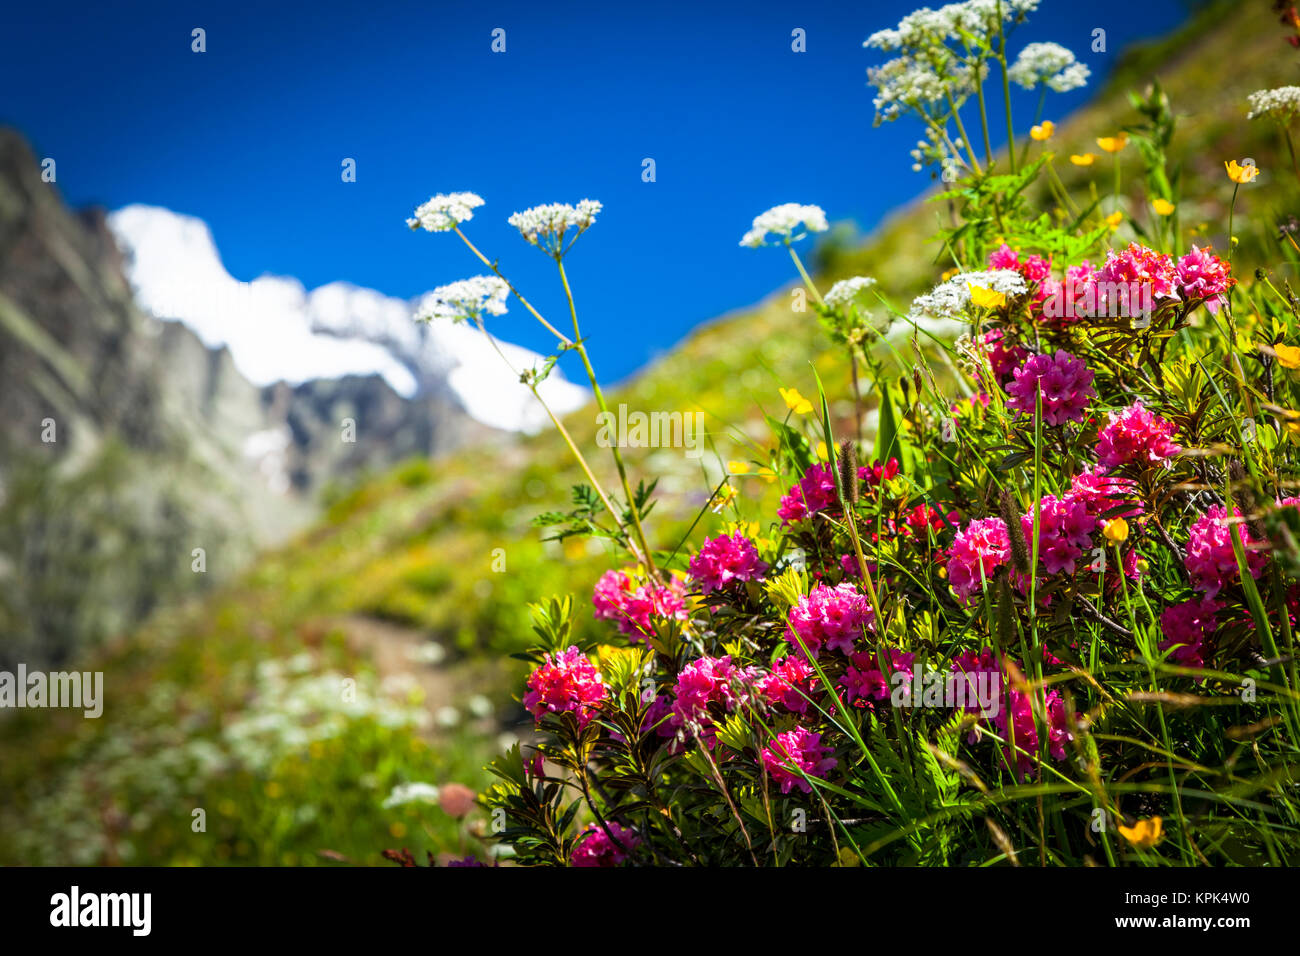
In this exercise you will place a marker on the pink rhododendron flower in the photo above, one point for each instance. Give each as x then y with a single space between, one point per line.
725 559
864 680
1210 560
1186 627
1064 382
981 544
1100 493
1004 355
1065 531
706 685
620 597
833 616
1137 269
875 473
595 848
1004 257
796 748
1134 434
788 684
814 492
567 682
1204 276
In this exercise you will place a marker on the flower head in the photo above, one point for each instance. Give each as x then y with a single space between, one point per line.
951 300
1049 64
1063 382
1240 173
792 752
1041 132
783 222
1187 627
848 293
623 597
726 559
566 682
834 617
1113 144
1134 434
595 848
1211 561
1279 104
1203 276
444 212
979 549
1083 159
467 299
815 492
546 226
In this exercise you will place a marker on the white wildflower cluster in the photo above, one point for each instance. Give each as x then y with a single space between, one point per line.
974 18
949 301
784 221
1280 104
918 83
545 226
466 299
443 213
1049 64
936 149
848 293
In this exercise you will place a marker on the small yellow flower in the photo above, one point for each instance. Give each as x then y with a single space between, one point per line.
1144 834
1043 131
1142 565
1241 174
1115 530
796 402
398 829
822 453
1113 144
1082 159
1163 207
1114 219
724 497
738 467
767 474
986 298
1288 356
948 274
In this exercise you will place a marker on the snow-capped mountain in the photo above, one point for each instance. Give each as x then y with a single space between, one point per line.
276 330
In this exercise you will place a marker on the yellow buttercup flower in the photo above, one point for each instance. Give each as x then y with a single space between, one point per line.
1113 144
1288 356
948 274
822 453
1082 159
723 498
796 402
1241 174
986 298
1114 219
767 474
1115 530
1144 834
1163 207
738 467
1043 131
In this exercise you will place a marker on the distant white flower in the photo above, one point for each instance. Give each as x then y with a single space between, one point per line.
783 221
470 299
926 28
405 793
1279 104
849 292
1050 64
545 226
950 301
444 212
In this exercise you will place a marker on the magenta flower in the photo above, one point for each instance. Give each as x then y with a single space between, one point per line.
864 680
595 848
1135 434
1004 257
620 597
834 616
725 559
1203 276
565 683
788 684
1004 354
706 684
981 544
1210 560
800 749
1065 531
1186 627
814 492
1137 268
1064 382
1100 492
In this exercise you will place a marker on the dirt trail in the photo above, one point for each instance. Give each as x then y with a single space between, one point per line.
393 650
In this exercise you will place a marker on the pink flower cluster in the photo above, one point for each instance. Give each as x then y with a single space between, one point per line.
1065 531
620 597
830 616
796 748
864 680
814 492
1134 434
1101 493
566 682
875 473
725 559
1204 276
1210 560
1142 267
1064 382
788 684
982 544
704 683
1186 627
1004 355
595 848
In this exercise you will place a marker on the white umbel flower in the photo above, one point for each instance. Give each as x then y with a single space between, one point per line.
467 299
1279 104
783 221
442 213
545 226
927 28
405 793
1050 64
949 301
849 292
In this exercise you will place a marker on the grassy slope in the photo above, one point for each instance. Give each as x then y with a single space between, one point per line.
415 550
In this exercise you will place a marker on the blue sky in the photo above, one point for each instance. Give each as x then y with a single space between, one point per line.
250 135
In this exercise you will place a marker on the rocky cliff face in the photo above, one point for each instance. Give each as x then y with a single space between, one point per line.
135 462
